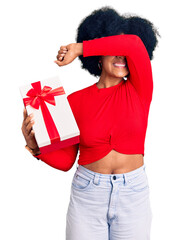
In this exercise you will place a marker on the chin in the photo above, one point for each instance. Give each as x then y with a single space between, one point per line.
121 75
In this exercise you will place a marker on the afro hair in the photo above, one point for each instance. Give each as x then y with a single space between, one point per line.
105 22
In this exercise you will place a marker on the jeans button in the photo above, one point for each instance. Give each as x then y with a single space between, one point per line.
114 177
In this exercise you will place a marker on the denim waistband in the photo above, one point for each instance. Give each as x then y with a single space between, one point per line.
104 177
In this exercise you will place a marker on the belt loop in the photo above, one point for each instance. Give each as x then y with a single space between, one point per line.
96 179
125 179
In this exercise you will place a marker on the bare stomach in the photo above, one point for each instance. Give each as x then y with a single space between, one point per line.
116 163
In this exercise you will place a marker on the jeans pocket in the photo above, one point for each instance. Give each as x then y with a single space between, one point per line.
138 183
81 182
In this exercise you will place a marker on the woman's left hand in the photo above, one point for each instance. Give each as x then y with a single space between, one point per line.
68 53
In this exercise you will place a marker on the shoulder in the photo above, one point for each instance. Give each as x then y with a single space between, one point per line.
74 98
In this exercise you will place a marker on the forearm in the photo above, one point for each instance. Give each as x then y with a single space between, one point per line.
117 45
62 159
136 54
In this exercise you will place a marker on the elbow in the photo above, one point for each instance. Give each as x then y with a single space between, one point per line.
66 167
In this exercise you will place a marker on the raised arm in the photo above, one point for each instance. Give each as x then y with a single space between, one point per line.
136 54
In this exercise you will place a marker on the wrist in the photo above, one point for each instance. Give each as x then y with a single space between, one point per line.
79 49
34 152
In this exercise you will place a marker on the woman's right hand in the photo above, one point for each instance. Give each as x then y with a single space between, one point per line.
68 53
28 132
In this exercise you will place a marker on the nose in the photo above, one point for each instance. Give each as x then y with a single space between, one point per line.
121 57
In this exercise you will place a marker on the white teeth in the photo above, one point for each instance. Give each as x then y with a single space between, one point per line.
119 65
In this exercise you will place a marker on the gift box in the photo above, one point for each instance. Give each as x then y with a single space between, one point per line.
55 126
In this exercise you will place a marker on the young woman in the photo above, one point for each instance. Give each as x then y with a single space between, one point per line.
110 191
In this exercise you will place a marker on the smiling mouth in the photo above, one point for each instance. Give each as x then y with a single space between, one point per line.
119 65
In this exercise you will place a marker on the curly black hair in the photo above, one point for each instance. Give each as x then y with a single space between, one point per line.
107 21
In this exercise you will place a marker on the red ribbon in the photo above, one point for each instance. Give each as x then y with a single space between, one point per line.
37 98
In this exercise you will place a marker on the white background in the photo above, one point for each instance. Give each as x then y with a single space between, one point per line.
34 196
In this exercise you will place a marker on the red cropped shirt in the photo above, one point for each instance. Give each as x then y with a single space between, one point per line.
110 118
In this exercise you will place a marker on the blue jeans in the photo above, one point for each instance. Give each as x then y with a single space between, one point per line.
109 206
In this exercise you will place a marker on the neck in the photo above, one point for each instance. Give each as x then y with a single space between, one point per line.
108 81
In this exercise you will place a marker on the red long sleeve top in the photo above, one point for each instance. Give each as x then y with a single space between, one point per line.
110 118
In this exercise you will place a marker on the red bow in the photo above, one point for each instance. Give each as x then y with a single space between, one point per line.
37 97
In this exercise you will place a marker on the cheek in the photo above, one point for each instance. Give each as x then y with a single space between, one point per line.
107 61
107 66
